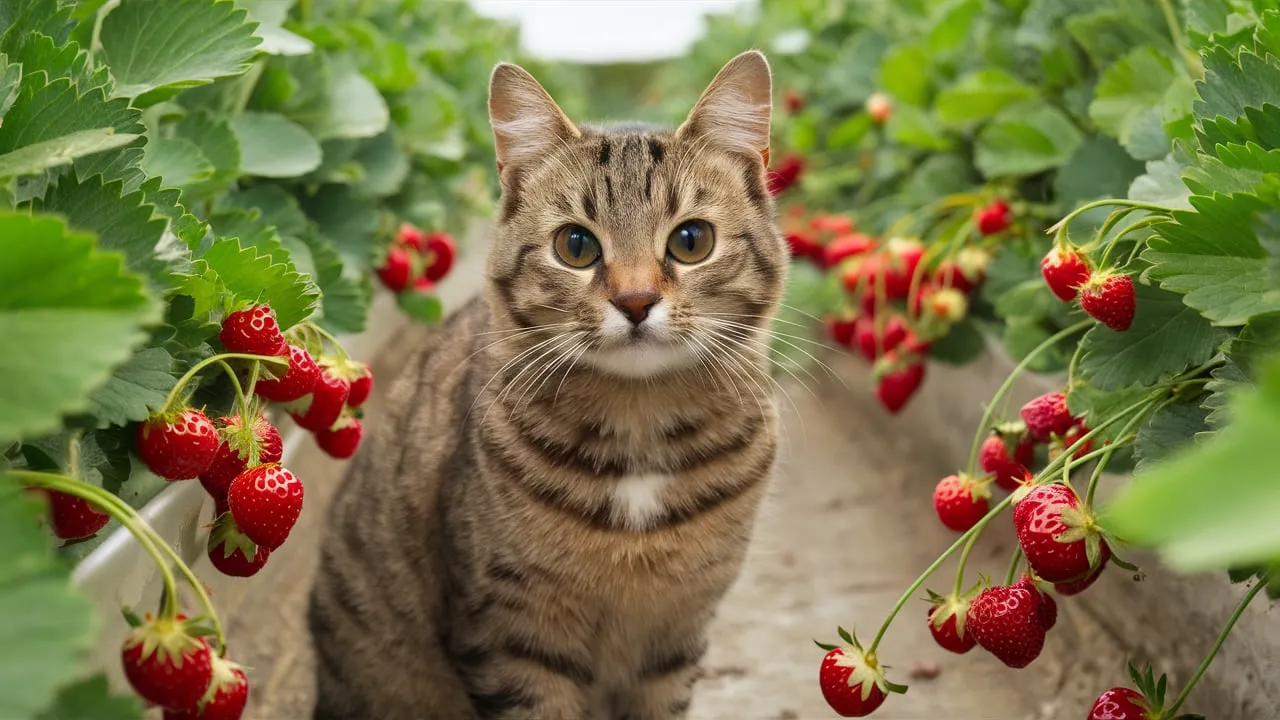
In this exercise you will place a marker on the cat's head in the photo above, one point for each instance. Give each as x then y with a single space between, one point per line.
639 251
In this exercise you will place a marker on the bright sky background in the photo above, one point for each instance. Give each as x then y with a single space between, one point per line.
607 30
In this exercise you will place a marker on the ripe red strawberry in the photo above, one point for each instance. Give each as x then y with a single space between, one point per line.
72 518
995 457
322 407
266 501
842 331
793 101
360 386
343 439
1048 610
846 246
226 698
1055 533
964 272
1075 587
298 380
788 173
947 623
873 345
879 107
1120 704
1109 299
960 501
253 330
179 445
411 237
238 446
802 246
232 552
1046 416
904 256
1065 271
993 218
898 380
850 685
396 271
914 345
443 251
837 224
165 665
1007 622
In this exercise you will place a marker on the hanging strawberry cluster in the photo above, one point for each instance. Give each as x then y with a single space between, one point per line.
415 261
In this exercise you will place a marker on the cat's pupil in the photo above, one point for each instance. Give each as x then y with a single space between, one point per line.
689 235
577 243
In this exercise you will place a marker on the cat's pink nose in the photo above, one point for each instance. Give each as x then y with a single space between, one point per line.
635 305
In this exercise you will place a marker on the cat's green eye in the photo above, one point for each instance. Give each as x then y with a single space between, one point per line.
576 246
691 241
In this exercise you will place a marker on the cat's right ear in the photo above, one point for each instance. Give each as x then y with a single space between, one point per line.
526 122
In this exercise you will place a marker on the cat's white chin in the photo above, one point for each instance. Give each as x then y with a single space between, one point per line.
643 358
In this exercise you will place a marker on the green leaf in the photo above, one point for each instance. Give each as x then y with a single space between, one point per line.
1097 406
344 306
177 161
135 389
10 83
123 222
385 163
1234 96
904 74
346 222
276 40
155 50
962 343
60 151
1129 94
1259 338
1212 505
1026 141
73 310
1166 338
275 146
218 144
910 126
421 307
980 95
91 699
1170 428
355 108
253 277
1162 185
1098 168
1214 259
49 626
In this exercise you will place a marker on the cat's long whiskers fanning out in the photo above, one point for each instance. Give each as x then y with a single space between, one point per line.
782 338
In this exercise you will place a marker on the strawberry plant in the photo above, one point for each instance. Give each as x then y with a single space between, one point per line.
1092 185
194 196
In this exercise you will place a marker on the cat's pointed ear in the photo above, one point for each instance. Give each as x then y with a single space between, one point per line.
526 122
735 109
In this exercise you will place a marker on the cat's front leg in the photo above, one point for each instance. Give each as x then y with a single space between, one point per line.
524 681
663 690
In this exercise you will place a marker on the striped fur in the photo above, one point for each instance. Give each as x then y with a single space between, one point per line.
543 526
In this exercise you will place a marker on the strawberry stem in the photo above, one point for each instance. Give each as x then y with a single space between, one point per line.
964 558
1008 383
328 336
1014 563
181 385
1217 644
1060 227
241 399
118 509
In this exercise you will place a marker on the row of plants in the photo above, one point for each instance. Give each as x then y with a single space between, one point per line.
195 199
1092 184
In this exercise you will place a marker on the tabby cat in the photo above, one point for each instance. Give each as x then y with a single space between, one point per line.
570 470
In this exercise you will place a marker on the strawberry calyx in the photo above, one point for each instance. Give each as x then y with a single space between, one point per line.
342 367
224 676
227 534
170 636
866 669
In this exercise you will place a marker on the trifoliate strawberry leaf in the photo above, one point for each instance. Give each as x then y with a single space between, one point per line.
135 389
1025 140
1169 429
125 223
275 146
49 625
218 144
155 50
74 310
355 108
1166 338
1129 97
91 699
250 276
1197 525
1213 258
980 95
1232 87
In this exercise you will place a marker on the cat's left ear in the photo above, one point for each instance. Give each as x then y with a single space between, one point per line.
526 122
735 109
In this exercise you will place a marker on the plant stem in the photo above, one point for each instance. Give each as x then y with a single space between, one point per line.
1217 644
1097 474
186 378
964 558
1194 65
934 567
1061 225
1008 383
328 336
1013 565
118 509
241 398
